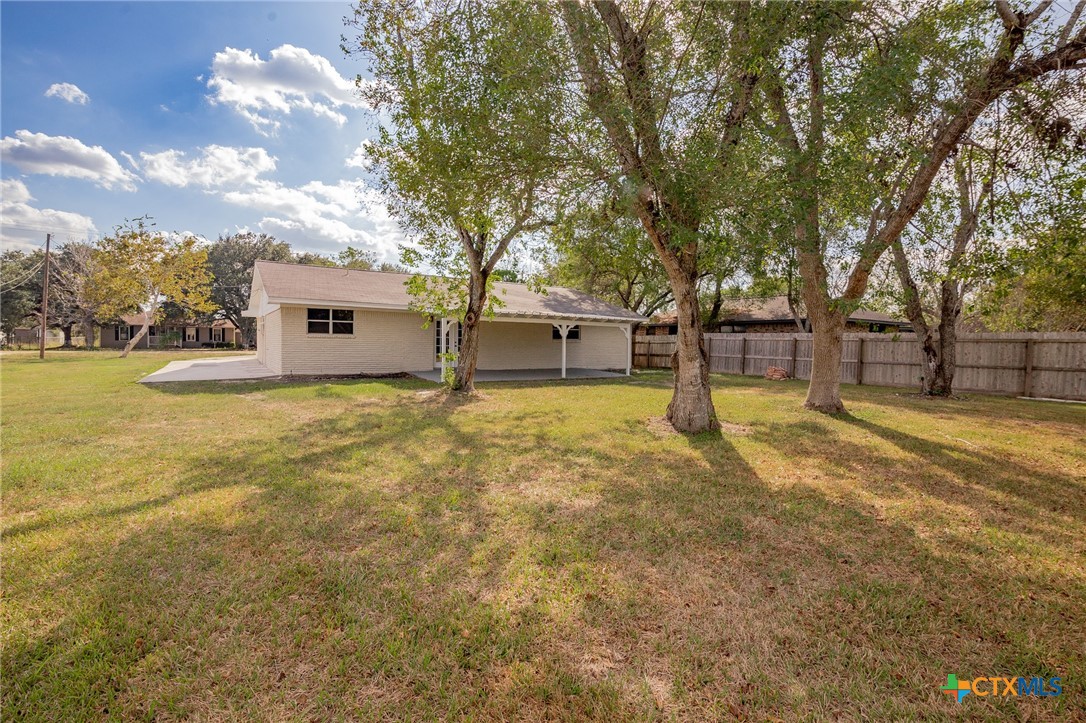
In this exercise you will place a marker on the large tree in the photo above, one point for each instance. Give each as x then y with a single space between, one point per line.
667 88
230 261
466 156
1039 279
602 250
141 269
20 287
72 290
868 103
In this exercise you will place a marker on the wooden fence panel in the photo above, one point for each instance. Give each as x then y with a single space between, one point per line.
1059 369
990 363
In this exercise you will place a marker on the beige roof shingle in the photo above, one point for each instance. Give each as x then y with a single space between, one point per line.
298 283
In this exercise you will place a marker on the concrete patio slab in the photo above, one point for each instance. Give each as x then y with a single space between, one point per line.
523 375
209 370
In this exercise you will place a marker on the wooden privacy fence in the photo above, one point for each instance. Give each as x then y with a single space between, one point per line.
1047 364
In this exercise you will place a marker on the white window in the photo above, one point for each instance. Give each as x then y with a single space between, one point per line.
218 334
122 332
574 333
190 334
330 321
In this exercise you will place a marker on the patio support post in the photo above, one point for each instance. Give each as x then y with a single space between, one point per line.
563 329
626 332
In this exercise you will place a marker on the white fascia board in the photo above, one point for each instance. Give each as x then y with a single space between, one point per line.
551 320
257 297
325 303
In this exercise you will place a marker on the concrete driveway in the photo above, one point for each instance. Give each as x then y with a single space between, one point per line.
210 370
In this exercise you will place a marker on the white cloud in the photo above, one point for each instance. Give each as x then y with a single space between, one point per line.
24 226
358 158
68 92
65 156
216 166
290 79
322 216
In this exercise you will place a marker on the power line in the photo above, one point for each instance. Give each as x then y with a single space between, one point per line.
42 227
14 284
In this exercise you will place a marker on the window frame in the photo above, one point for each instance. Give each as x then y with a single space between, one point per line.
573 330
123 332
330 322
195 335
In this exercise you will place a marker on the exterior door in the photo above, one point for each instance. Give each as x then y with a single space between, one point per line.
453 343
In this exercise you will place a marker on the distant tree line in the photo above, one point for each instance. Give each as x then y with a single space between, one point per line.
141 269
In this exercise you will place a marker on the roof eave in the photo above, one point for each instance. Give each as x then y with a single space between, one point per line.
377 306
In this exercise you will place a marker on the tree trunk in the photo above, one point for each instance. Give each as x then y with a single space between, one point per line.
468 356
67 330
88 333
135 340
714 310
247 326
691 408
940 352
827 329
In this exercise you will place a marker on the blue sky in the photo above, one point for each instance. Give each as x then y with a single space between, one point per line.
212 117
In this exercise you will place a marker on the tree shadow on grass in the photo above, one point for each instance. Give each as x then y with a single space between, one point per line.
409 557
1001 492
1035 488
334 585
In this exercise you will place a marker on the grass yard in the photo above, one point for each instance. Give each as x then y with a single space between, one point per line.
367 549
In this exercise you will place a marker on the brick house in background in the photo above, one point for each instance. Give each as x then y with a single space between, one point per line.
771 315
171 333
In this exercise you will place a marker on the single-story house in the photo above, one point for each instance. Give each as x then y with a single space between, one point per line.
771 315
314 320
171 333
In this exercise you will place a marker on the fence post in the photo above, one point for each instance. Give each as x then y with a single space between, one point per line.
1027 386
743 355
860 363
795 343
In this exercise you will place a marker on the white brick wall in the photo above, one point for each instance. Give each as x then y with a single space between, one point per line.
601 347
512 345
387 342
384 342
273 337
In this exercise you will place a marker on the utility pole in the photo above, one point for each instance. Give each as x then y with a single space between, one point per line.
44 299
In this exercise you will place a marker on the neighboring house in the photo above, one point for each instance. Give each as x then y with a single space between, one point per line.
314 320
175 334
771 315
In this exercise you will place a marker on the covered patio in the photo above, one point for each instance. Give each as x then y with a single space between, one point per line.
533 346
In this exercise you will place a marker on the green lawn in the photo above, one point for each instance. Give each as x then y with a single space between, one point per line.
368 549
